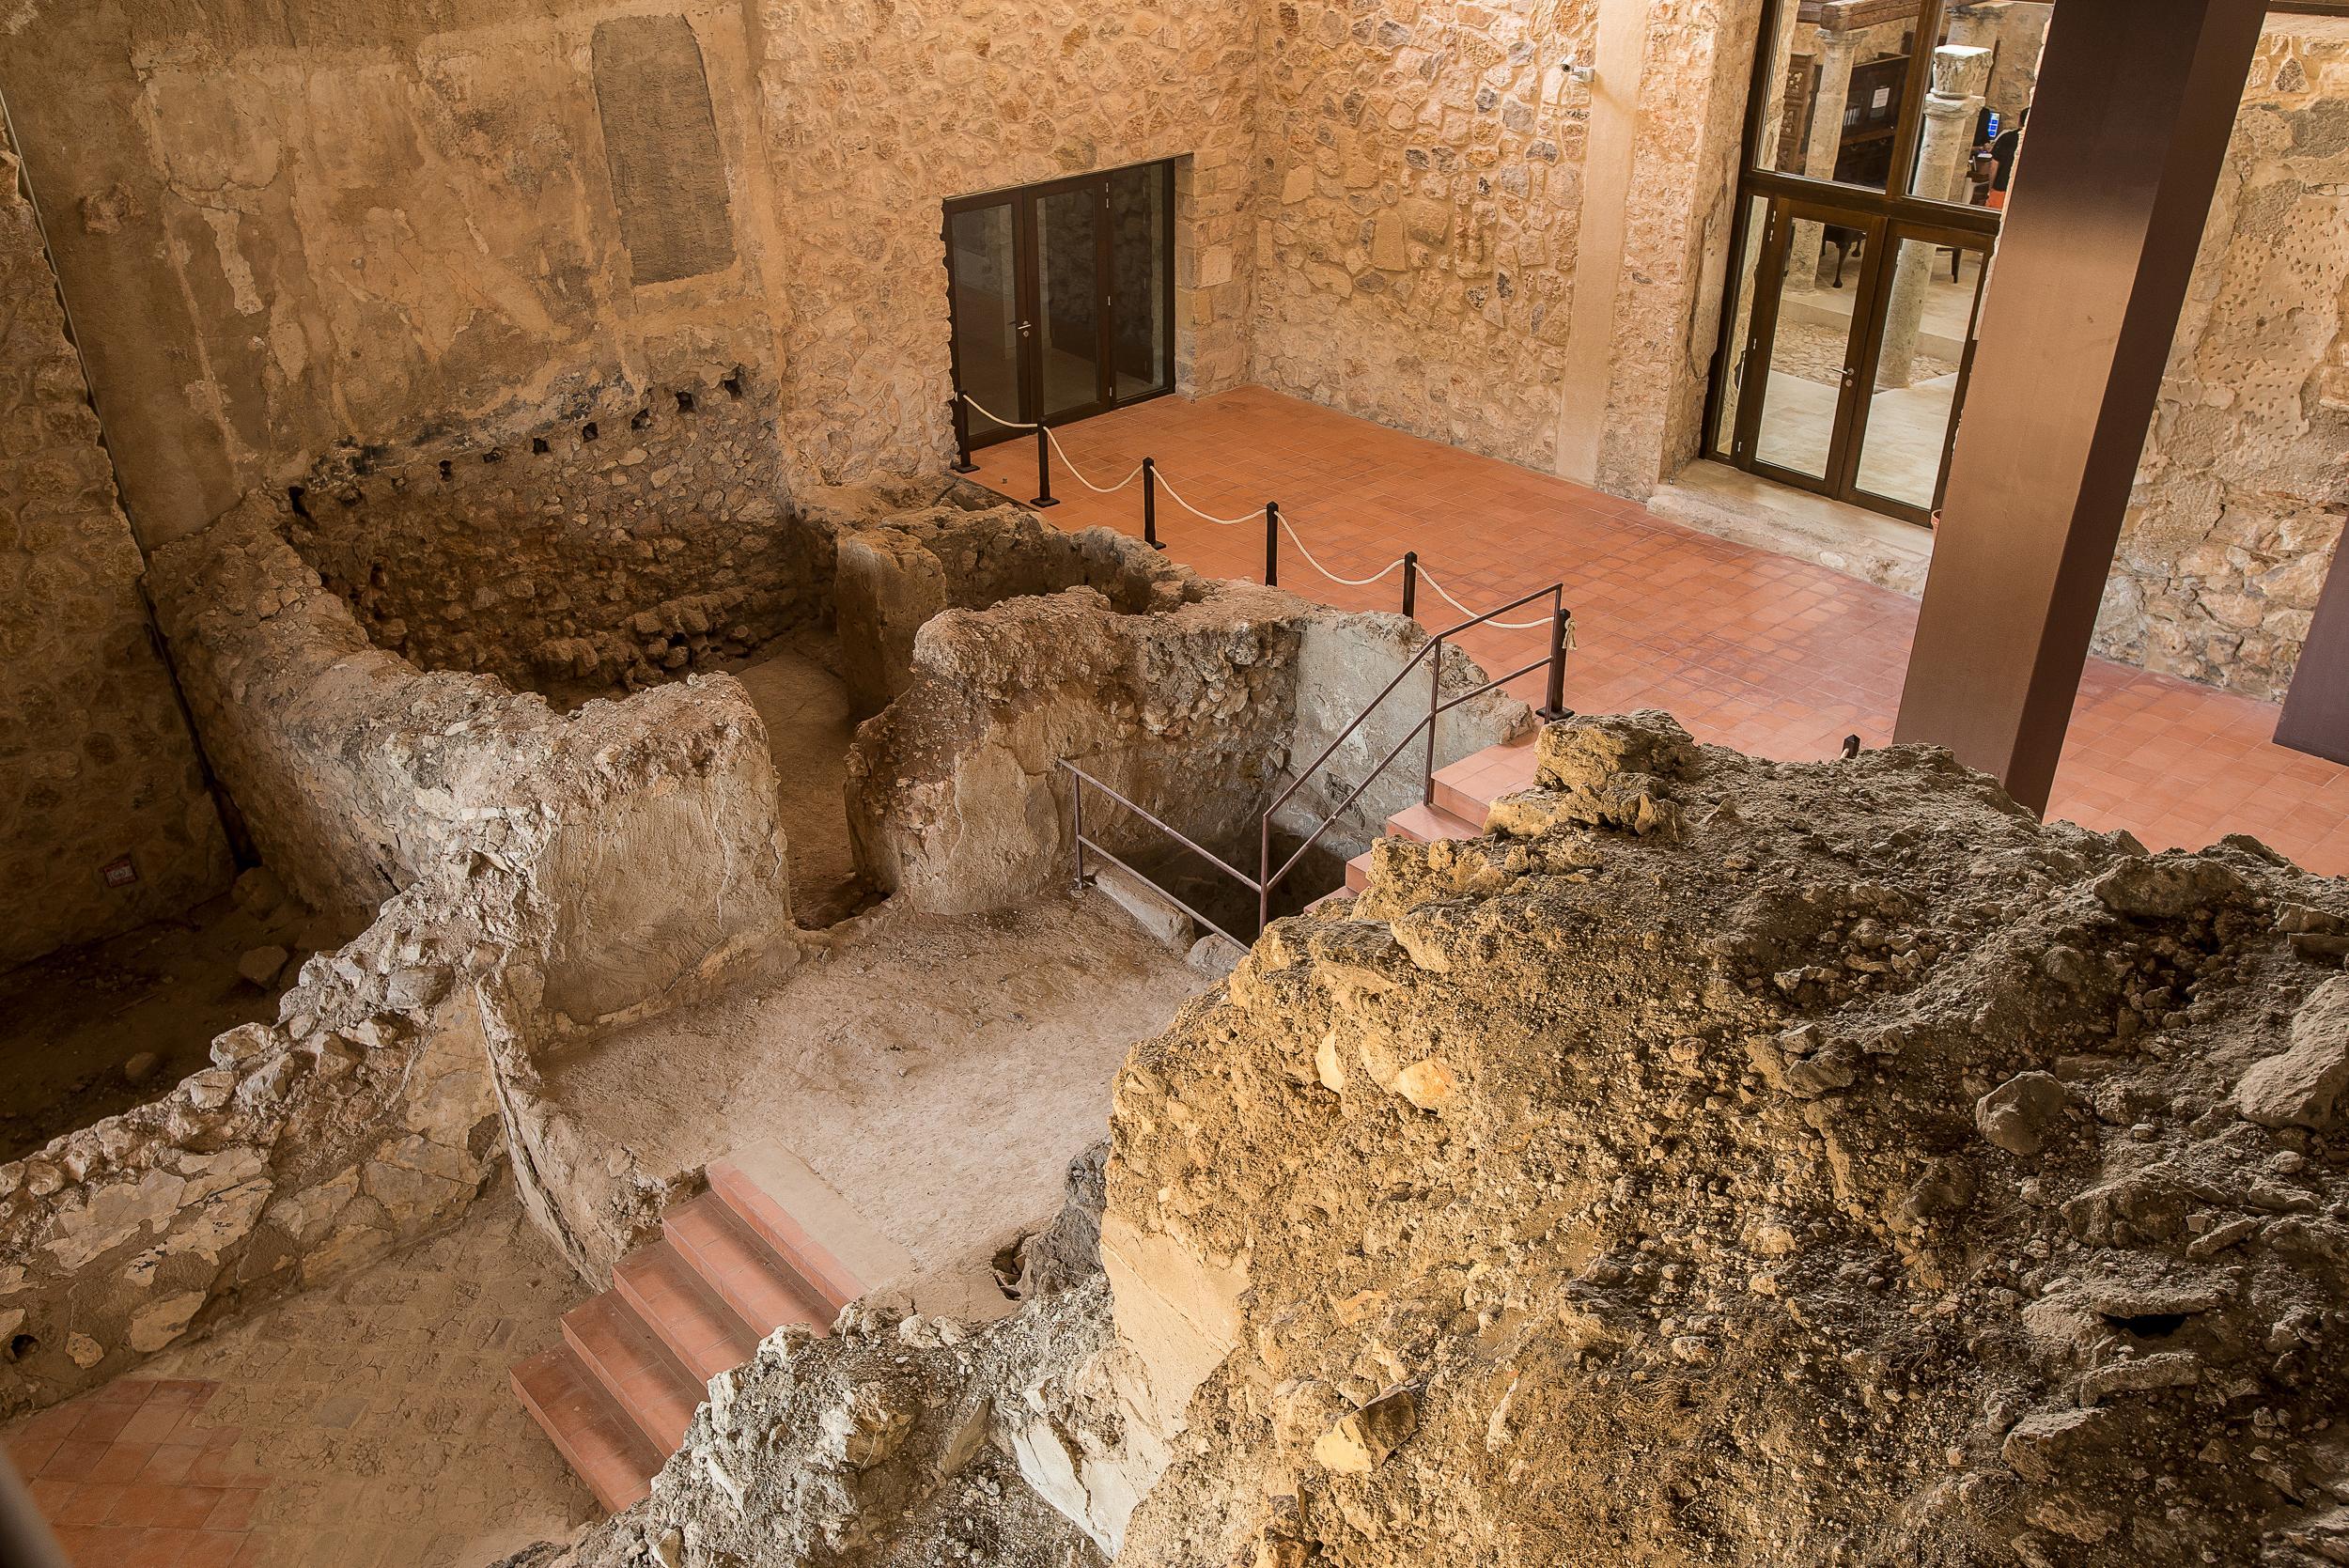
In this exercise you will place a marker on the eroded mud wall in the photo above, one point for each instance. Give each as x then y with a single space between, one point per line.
95 759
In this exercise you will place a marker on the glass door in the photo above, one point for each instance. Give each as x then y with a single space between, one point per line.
1062 297
1798 369
1921 347
984 260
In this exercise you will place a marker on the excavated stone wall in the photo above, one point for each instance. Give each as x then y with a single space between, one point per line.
1720 1161
1421 173
2245 482
96 762
878 111
536 874
284 227
643 534
1197 700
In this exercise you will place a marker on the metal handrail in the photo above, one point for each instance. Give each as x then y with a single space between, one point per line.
1267 879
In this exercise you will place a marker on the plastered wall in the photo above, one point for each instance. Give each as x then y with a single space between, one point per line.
96 763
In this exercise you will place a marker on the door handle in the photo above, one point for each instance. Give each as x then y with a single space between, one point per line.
1026 327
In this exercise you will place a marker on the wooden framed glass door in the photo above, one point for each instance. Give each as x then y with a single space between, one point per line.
1798 370
1062 297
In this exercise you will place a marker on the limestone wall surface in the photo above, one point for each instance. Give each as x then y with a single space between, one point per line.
1421 183
96 762
2245 482
878 111
284 225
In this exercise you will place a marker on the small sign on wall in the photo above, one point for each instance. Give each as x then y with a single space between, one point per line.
120 872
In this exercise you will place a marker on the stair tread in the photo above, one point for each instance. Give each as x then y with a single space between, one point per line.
741 1268
635 1368
692 1320
603 1446
1468 788
1427 824
1357 872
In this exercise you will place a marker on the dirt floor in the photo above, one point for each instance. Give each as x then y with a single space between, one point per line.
939 1073
150 1001
366 1423
809 727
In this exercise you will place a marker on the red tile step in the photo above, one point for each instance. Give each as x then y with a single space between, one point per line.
1427 824
747 1275
640 1371
1464 792
1358 873
696 1325
602 1445
618 1394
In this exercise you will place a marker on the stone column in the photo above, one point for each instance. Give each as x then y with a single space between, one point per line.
1838 52
1974 27
1960 76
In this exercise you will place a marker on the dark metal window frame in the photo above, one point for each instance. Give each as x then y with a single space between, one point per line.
1026 262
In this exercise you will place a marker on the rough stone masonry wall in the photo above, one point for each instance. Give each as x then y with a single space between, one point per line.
1420 170
554 872
2244 481
876 112
94 757
283 225
642 536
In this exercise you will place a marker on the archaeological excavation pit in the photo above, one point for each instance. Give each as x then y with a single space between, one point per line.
768 786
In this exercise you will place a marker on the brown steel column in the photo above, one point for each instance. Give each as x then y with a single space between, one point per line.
2128 128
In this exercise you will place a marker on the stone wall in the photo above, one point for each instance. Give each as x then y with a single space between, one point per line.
644 535
2245 482
552 873
879 112
283 227
96 762
1199 701
1420 180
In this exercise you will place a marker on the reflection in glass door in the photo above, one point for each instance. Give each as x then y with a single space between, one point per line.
982 270
1799 366
1923 334
1062 296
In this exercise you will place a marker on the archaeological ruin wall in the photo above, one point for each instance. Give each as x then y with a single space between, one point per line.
2245 483
283 230
644 534
103 810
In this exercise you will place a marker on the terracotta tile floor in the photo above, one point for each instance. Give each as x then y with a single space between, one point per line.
1763 652
131 1476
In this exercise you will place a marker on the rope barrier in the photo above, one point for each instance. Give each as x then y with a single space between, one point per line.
1204 516
1172 494
1429 578
1391 567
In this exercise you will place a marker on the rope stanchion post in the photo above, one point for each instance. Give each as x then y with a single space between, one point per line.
1150 503
1043 468
1560 637
1271 544
962 463
1411 583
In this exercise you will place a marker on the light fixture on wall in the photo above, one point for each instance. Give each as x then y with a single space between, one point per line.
1580 73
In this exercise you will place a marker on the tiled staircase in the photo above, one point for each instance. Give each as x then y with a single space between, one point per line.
768 1244
1464 793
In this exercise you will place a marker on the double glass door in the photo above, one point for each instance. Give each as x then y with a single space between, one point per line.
1850 354
1062 297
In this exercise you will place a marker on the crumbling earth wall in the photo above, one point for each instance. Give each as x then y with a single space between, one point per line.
96 762
1721 1160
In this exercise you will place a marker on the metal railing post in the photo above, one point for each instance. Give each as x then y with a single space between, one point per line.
1078 795
1561 626
1411 583
1043 468
1435 711
1264 876
1271 544
1150 503
962 463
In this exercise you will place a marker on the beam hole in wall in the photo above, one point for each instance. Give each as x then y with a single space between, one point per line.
538 444
641 418
588 432
21 1345
293 499
448 470
732 381
495 455
685 402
